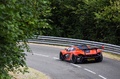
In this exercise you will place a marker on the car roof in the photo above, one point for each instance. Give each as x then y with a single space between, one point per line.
82 46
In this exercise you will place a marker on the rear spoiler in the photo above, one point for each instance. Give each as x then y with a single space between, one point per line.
89 47
100 47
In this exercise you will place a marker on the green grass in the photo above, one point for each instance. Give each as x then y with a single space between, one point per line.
111 56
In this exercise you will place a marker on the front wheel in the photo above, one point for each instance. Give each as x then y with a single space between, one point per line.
61 56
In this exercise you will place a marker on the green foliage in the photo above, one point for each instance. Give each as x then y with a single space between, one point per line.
19 20
96 20
108 22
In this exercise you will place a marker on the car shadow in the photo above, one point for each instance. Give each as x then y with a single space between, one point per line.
85 62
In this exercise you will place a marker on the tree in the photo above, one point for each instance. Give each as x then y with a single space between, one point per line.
108 22
96 20
64 20
19 20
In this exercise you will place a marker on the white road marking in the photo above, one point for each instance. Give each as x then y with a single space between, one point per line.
76 65
89 71
55 58
102 77
41 55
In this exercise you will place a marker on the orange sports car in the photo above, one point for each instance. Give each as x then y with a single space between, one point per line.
81 53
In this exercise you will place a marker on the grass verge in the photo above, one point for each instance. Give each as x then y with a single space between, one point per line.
32 74
111 56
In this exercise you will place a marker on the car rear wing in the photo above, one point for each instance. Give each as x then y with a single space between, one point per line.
100 47
91 48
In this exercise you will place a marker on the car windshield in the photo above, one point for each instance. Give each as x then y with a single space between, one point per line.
82 47
71 49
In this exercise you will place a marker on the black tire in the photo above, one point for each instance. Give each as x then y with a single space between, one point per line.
81 59
100 58
74 59
61 56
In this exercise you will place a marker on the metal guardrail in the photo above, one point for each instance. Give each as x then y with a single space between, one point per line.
69 41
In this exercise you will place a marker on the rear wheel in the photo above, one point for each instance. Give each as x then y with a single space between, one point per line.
81 59
74 59
100 58
61 56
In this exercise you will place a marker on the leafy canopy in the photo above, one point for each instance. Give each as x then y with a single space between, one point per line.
97 20
19 20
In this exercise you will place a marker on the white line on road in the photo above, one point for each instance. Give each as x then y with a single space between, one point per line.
89 71
76 65
55 58
102 77
41 55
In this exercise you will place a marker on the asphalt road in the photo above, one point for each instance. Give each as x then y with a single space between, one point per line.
46 59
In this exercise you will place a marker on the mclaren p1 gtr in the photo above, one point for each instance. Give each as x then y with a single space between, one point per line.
81 53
